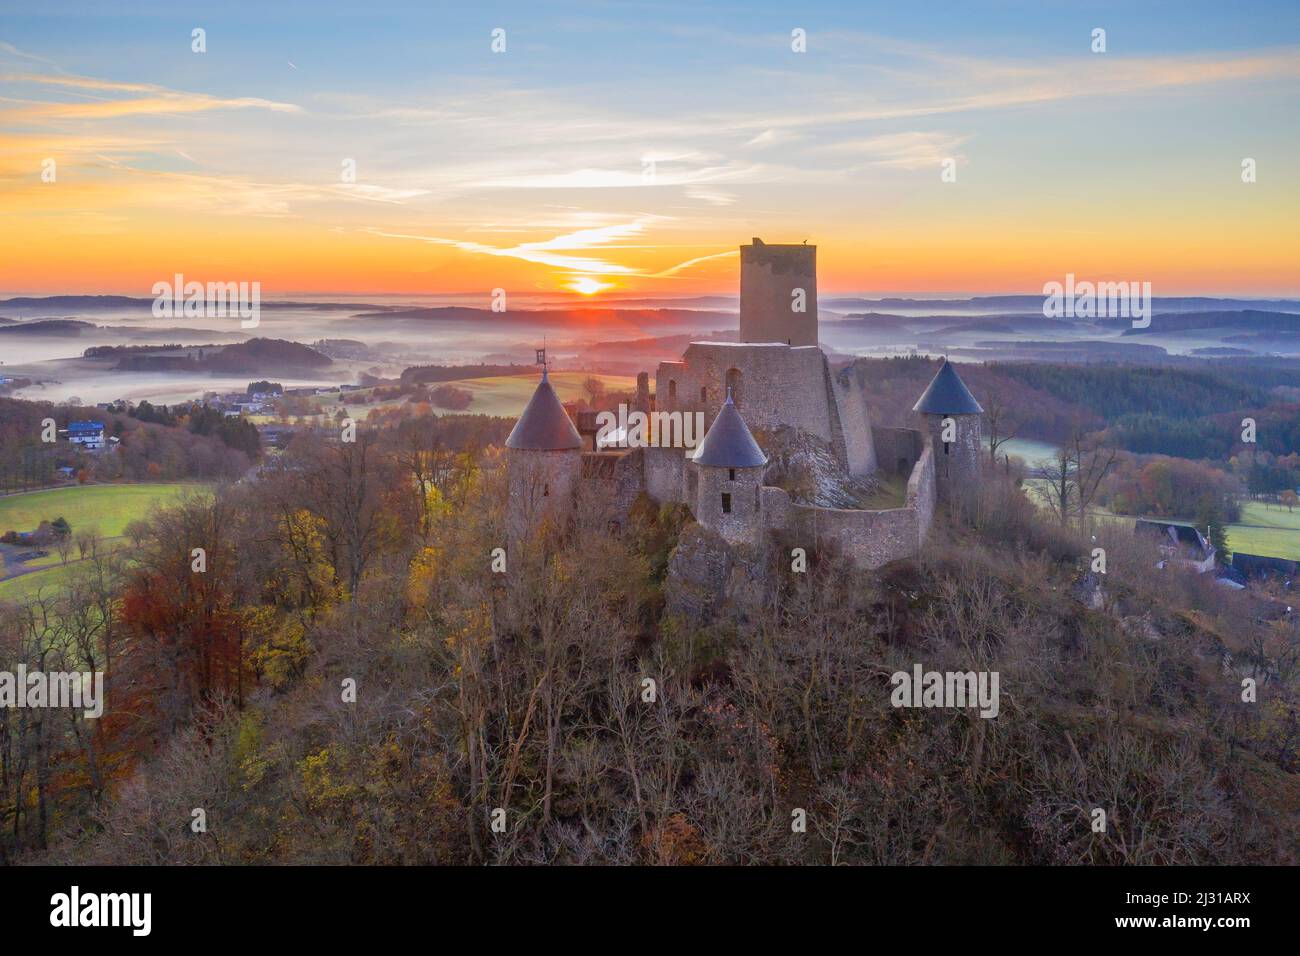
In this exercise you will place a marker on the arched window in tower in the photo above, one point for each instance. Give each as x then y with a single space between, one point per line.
733 383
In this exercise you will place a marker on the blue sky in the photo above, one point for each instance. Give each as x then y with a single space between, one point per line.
1067 160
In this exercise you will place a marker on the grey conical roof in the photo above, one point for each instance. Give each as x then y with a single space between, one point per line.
948 395
544 425
728 443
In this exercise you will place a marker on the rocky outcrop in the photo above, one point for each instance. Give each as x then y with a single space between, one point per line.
807 468
698 572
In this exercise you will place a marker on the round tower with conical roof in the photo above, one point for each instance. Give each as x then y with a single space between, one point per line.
953 420
727 473
543 461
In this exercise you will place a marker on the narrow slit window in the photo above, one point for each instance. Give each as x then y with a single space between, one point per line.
726 503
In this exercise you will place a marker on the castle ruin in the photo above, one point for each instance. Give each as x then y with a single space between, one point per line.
775 380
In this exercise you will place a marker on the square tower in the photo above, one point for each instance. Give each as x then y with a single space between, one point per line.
778 293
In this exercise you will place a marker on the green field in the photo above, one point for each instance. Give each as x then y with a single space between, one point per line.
502 395
21 588
107 509
1267 530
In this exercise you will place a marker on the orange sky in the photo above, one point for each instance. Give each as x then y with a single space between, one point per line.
1122 167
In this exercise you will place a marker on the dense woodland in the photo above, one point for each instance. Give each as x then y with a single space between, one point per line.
1147 413
522 691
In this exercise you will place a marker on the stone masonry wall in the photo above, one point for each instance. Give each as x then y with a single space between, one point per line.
611 482
871 539
664 478
742 524
854 424
956 468
769 274
895 445
777 385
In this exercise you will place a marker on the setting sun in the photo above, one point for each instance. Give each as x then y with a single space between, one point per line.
588 286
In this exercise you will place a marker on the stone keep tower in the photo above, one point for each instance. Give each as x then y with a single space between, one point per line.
769 276
951 412
728 470
543 461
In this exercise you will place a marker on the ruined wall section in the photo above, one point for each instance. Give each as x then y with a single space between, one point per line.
853 422
774 385
664 473
897 450
611 482
869 539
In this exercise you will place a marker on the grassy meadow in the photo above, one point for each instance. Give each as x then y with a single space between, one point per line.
107 509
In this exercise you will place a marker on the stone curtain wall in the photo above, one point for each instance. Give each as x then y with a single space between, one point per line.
922 493
664 473
893 445
869 539
611 482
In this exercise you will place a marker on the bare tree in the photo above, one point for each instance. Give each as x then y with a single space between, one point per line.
1057 483
1093 461
999 421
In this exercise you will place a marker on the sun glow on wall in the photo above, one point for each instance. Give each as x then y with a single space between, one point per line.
588 286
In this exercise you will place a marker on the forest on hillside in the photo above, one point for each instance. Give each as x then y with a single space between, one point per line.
1195 414
350 681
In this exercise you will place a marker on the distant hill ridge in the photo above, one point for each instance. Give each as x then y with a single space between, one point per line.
256 356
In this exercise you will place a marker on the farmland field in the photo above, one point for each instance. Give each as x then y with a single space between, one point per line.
1267 530
106 508
501 395
27 586
507 395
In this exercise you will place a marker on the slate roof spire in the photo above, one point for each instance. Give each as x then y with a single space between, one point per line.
947 394
544 425
728 443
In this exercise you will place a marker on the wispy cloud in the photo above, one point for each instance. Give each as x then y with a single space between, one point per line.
545 252
152 100
909 150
